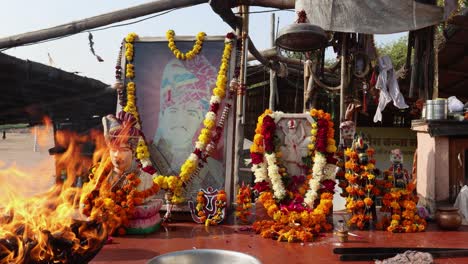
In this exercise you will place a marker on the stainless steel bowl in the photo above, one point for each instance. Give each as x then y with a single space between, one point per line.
204 256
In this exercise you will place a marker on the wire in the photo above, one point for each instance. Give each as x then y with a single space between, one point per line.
93 30
133 22
39 42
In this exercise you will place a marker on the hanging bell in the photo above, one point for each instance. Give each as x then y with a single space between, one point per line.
301 37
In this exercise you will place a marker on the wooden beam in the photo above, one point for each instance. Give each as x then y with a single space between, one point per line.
121 15
96 21
280 4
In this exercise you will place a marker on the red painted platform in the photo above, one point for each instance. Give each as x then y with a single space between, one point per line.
185 236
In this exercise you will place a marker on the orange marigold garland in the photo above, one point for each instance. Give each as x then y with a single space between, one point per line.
220 205
114 206
293 217
400 200
244 203
359 186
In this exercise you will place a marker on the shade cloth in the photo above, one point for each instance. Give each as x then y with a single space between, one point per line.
370 16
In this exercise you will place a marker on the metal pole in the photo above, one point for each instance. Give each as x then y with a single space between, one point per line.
35 139
343 80
273 87
239 120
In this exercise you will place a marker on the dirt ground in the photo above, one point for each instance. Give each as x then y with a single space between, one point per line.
24 165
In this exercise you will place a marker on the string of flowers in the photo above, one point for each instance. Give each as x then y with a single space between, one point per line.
294 226
220 205
360 189
244 203
142 152
175 184
401 203
323 145
218 217
292 218
170 34
118 204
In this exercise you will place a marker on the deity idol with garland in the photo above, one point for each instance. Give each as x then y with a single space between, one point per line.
122 193
396 172
400 199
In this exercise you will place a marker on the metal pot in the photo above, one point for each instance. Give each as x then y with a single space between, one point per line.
205 256
448 218
436 109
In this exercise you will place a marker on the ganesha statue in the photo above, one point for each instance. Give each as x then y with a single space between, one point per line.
123 191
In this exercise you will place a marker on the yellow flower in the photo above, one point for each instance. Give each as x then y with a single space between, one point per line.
108 202
204 138
331 149
219 92
190 54
258 139
209 123
131 37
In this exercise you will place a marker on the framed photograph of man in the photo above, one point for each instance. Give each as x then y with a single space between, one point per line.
173 96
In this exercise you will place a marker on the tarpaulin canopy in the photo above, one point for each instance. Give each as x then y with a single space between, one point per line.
370 16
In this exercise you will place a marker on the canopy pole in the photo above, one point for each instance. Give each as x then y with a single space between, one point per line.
343 81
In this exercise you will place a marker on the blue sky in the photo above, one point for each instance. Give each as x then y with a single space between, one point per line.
72 53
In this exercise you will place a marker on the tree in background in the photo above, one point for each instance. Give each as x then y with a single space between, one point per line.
396 50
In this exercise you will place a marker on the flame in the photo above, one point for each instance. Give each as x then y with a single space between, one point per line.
42 133
49 227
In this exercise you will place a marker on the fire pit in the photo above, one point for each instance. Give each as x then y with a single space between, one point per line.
78 243
48 228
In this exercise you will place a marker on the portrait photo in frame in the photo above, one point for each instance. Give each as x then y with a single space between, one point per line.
173 96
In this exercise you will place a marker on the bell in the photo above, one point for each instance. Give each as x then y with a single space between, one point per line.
301 37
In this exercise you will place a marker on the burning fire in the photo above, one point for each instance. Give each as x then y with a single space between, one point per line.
48 227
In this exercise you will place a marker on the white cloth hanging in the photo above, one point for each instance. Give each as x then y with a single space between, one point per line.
388 86
462 204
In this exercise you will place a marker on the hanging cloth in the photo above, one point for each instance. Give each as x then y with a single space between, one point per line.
388 86
462 204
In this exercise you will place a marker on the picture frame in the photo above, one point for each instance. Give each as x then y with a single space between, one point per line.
173 97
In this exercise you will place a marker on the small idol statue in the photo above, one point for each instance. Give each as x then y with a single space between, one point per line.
398 174
123 189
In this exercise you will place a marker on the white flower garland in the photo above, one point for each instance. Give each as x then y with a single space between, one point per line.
260 171
320 161
273 172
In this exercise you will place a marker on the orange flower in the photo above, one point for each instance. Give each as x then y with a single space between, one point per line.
411 186
360 203
368 201
313 112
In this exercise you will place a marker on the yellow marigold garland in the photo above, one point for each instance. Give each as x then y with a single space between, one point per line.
173 183
360 189
170 34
